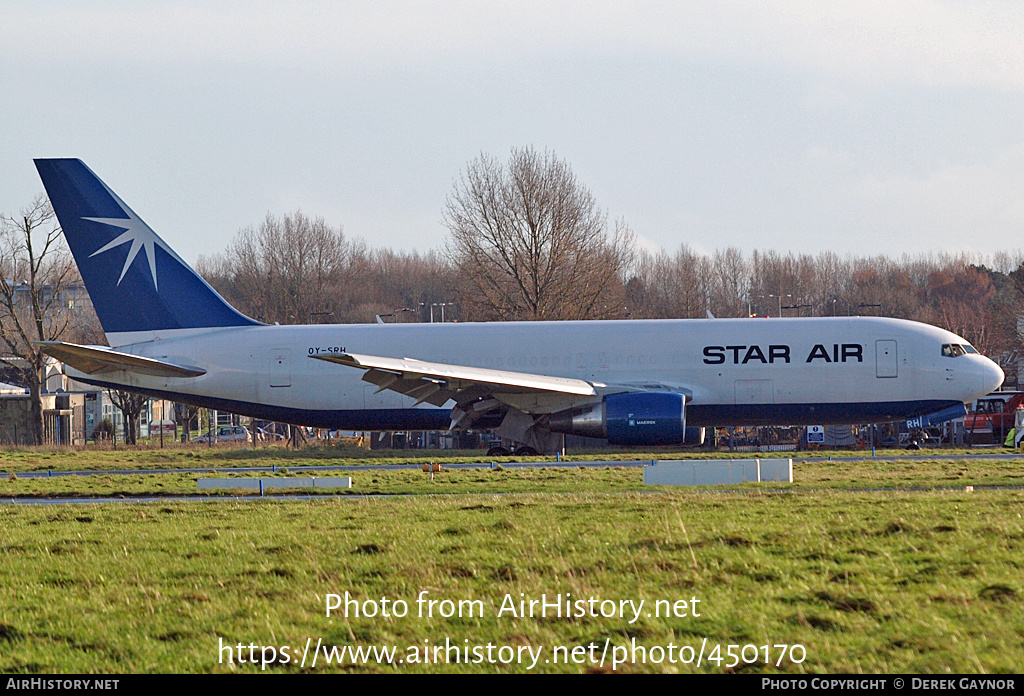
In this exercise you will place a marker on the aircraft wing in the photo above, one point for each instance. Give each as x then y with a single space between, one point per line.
437 383
95 359
479 391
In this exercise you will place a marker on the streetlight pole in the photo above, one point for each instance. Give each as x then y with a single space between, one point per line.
779 298
442 305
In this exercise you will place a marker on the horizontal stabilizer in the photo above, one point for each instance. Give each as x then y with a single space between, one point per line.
95 359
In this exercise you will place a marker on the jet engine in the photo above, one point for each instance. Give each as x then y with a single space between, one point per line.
631 418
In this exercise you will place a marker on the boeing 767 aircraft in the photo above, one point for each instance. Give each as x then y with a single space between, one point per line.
633 382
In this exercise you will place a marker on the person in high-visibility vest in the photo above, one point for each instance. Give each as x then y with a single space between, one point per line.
1018 421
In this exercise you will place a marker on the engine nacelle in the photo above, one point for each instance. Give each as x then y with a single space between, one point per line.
631 418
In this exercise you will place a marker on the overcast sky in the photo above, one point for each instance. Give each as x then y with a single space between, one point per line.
863 127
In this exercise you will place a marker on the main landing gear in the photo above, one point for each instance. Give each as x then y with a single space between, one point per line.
520 452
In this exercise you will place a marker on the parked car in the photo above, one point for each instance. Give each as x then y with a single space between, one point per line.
226 433
268 435
166 426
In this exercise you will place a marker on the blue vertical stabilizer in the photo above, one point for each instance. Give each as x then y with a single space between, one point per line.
136 282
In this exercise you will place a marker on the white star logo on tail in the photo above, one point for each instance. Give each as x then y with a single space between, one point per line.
139 234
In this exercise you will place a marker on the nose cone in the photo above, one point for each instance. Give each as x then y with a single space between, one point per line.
991 376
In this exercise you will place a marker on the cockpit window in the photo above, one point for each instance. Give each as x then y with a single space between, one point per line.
955 350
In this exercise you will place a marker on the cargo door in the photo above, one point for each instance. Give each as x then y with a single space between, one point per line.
280 367
885 358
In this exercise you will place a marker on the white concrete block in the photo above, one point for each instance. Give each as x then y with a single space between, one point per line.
228 483
288 482
332 482
277 482
716 472
780 470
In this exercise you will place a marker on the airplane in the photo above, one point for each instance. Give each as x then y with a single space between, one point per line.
632 382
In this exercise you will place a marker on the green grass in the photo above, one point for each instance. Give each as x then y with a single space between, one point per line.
375 482
234 454
920 581
816 475
866 582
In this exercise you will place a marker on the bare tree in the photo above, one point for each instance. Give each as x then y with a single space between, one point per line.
300 270
397 281
529 242
730 284
671 287
130 404
185 416
290 270
36 269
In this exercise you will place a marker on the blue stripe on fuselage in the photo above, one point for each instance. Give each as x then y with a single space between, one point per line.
347 419
811 414
440 418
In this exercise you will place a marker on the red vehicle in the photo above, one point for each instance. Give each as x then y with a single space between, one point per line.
992 416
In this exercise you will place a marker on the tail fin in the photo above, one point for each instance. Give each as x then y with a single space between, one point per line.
139 287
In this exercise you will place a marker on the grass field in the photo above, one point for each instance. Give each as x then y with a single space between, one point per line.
899 473
865 581
191 456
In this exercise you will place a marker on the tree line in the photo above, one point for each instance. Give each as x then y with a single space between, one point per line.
979 299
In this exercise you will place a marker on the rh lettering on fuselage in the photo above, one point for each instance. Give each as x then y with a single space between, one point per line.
742 355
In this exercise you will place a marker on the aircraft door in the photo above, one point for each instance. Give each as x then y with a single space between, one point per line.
885 359
280 367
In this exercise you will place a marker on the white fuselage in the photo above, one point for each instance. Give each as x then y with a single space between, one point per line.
739 371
